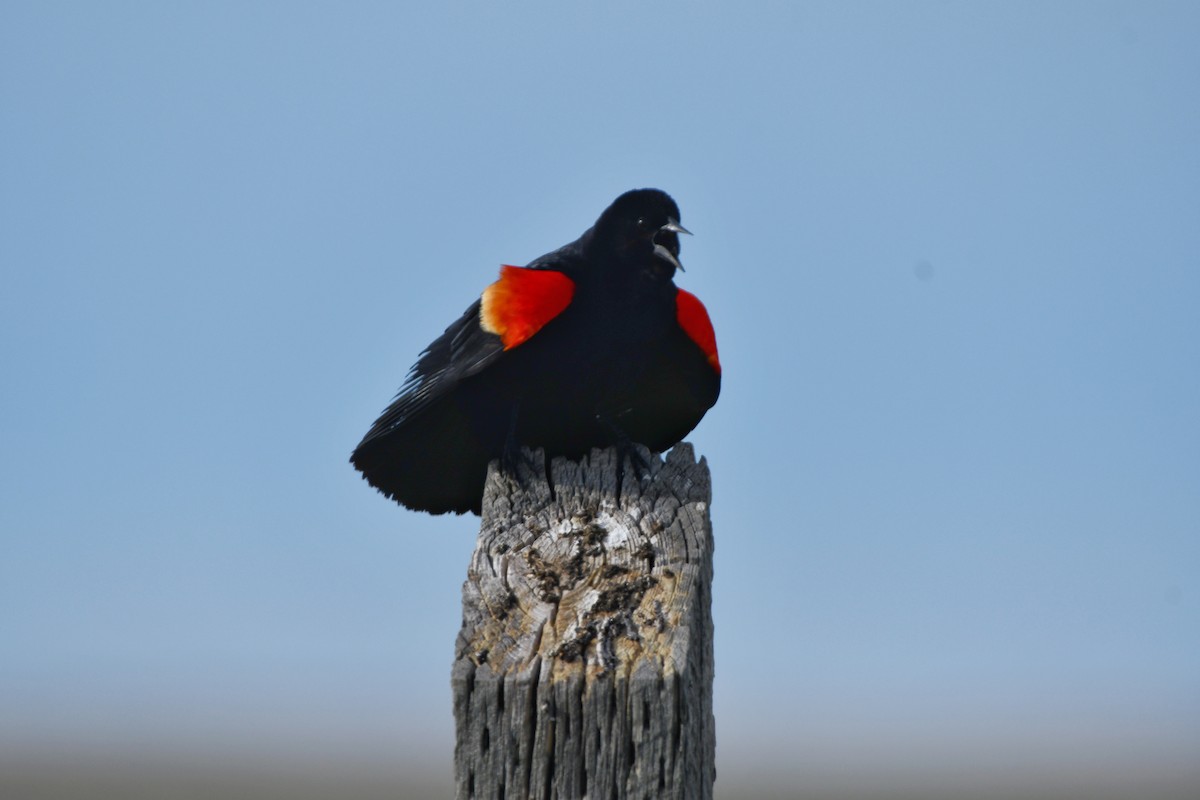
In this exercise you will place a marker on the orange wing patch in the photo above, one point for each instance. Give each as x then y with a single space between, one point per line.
522 301
693 318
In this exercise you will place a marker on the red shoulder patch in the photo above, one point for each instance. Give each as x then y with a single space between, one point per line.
693 318
522 301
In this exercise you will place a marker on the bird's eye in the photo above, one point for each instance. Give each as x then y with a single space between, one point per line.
643 224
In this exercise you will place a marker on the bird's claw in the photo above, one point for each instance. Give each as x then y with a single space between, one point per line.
524 467
627 450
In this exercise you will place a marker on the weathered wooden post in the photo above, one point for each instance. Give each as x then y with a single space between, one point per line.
584 666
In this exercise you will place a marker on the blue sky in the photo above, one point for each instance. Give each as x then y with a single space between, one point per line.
951 252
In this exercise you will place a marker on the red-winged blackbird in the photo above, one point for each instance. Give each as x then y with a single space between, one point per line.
588 346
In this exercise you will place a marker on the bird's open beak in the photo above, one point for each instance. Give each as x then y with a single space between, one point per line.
662 252
668 256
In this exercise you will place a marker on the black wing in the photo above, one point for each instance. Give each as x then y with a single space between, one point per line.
430 448
463 350
423 451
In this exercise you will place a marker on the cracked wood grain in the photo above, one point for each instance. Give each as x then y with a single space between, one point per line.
584 665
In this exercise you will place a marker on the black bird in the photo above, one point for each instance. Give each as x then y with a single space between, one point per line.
588 346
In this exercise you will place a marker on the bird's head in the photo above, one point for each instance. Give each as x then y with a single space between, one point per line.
642 226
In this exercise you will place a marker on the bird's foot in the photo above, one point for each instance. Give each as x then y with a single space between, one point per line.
524 465
627 451
519 463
